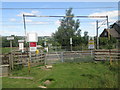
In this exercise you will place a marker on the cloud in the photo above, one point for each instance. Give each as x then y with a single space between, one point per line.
7 32
41 23
28 20
57 22
35 22
33 12
105 13
12 19
112 17
110 14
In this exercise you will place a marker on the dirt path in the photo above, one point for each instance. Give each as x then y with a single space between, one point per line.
21 77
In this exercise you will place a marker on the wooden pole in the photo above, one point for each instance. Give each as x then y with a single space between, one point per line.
29 62
11 57
110 57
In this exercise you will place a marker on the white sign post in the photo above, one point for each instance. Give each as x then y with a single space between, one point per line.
91 44
21 45
10 38
11 58
71 43
32 38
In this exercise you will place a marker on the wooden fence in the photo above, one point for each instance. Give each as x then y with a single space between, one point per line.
103 54
18 58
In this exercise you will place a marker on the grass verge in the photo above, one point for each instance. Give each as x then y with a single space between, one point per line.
67 75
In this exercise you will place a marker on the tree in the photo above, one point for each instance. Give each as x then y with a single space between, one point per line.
6 43
85 37
106 43
69 28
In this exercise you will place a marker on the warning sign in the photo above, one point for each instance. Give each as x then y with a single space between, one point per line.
91 43
33 44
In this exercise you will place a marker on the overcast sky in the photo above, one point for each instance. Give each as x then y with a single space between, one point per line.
12 20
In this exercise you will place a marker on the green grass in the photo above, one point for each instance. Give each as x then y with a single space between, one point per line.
7 49
67 75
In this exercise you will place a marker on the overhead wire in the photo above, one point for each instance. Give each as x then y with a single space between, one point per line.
59 8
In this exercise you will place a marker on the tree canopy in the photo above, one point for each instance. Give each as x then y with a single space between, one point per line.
69 28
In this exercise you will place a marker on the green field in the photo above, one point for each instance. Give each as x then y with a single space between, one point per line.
67 75
7 49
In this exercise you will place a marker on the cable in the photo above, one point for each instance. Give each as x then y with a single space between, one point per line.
62 8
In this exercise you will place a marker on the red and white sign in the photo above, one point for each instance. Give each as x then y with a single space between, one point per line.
33 46
32 38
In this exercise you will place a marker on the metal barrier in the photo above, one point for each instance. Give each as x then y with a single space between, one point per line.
69 56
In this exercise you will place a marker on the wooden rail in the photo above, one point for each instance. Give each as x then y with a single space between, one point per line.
22 58
111 54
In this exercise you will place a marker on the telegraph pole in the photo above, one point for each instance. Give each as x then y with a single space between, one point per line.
97 39
107 22
26 44
24 24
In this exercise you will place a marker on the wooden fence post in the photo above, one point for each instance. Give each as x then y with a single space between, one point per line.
110 57
62 56
10 61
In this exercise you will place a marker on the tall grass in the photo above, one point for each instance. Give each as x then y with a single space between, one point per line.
68 75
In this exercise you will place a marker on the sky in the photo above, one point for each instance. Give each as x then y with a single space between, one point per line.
12 19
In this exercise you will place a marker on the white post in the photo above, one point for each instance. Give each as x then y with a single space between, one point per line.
71 43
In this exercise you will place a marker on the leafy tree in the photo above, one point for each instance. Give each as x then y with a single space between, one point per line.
6 43
69 28
106 43
85 37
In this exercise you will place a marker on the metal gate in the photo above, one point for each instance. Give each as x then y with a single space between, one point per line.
69 56
52 58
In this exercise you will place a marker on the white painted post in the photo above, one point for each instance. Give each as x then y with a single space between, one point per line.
71 43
